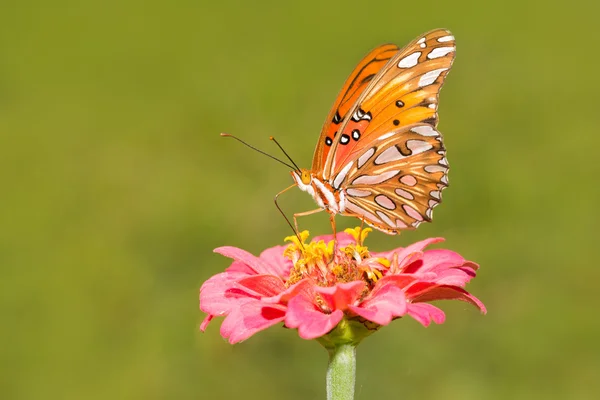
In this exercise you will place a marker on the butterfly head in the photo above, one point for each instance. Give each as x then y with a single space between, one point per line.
302 177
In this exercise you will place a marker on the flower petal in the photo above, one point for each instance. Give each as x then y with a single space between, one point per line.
303 314
303 287
426 291
263 285
221 293
383 305
425 313
205 322
274 257
250 318
338 297
258 265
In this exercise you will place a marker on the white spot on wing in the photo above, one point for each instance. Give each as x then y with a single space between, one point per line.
418 146
375 179
388 155
400 224
358 192
411 212
342 175
439 52
422 40
361 211
448 38
410 60
385 202
387 135
404 194
409 180
435 168
365 157
433 106
425 130
444 179
429 77
386 219
435 194
443 161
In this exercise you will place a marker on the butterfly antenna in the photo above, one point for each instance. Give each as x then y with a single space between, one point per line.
285 217
260 151
284 152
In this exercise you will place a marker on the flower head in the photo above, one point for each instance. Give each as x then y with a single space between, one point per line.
324 284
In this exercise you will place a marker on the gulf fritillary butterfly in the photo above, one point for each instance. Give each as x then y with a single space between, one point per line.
379 156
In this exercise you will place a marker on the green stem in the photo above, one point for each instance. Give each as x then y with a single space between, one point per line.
341 372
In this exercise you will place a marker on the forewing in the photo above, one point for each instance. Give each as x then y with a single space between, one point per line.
356 83
405 92
397 180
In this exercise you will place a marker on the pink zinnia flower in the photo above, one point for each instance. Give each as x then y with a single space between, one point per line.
318 286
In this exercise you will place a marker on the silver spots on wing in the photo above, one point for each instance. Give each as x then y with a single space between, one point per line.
355 134
429 77
404 194
358 192
418 146
375 179
360 115
365 157
410 61
411 212
439 52
435 168
344 139
386 219
408 180
443 39
385 202
342 175
425 130
389 155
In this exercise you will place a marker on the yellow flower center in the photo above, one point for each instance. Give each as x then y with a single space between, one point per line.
327 265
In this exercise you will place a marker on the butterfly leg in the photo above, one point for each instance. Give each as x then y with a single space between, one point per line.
304 214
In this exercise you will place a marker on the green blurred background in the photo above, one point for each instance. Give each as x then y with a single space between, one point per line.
115 188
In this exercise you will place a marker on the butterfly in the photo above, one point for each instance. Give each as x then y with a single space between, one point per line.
380 157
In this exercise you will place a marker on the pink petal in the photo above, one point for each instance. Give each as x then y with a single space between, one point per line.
250 318
400 280
425 313
310 321
263 285
274 257
205 322
338 297
238 266
221 293
407 251
303 287
258 265
382 305
425 291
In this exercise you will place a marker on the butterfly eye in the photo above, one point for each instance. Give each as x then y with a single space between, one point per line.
306 177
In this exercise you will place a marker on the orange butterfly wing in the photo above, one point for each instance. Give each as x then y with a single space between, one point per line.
356 83
389 158
405 91
396 183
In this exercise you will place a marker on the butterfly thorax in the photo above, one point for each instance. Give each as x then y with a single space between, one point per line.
328 198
